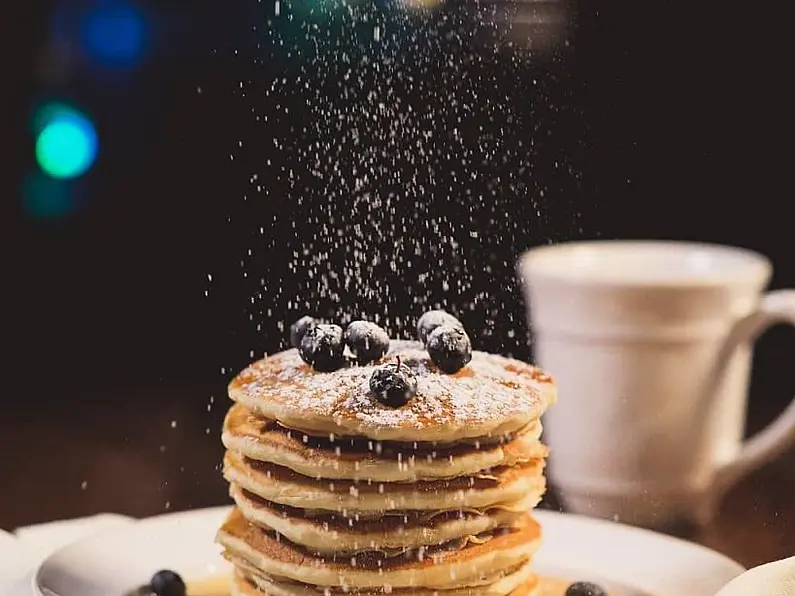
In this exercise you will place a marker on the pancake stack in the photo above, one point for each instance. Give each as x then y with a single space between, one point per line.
336 492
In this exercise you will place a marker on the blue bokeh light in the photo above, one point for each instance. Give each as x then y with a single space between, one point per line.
114 34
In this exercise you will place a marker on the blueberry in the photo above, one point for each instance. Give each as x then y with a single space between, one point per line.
367 341
449 348
167 583
321 347
298 329
585 589
394 384
433 319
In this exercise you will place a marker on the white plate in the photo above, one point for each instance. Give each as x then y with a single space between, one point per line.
15 562
575 547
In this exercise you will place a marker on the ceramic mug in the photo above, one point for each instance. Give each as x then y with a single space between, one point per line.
650 343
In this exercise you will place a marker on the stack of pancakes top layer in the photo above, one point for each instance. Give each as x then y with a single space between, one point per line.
336 492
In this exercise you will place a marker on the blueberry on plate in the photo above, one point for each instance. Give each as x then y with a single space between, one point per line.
367 341
167 583
585 589
322 347
299 328
433 319
394 384
449 348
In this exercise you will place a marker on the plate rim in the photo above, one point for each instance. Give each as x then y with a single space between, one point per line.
646 533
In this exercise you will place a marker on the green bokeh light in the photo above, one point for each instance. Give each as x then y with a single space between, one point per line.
66 146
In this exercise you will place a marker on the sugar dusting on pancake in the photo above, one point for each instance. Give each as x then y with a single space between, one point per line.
490 395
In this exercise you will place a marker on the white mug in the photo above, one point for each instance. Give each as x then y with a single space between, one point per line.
650 343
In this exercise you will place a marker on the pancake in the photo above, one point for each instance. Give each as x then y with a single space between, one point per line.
335 533
520 506
491 396
249 586
267 441
283 486
496 585
468 563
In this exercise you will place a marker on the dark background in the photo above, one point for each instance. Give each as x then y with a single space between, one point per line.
125 316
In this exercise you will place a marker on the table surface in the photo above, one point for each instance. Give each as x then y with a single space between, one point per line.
157 450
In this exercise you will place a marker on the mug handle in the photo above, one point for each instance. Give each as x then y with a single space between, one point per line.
778 436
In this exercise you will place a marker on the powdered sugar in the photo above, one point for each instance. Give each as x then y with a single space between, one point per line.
487 393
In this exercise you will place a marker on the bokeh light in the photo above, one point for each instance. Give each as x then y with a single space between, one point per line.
66 143
422 5
114 34
46 198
